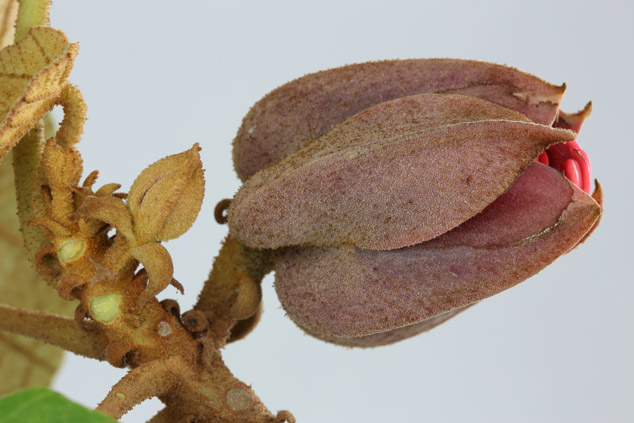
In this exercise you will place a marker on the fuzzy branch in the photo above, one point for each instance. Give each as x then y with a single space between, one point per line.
149 380
163 416
52 329
232 293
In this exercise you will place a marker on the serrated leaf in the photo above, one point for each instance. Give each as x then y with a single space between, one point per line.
41 405
166 197
33 73
24 362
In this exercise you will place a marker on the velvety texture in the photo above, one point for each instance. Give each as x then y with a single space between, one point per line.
395 335
395 175
345 294
302 110
390 196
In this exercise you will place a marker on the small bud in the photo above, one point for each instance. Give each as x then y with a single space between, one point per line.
399 193
71 250
106 307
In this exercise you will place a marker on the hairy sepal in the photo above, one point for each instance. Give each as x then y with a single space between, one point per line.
364 298
302 110
395 175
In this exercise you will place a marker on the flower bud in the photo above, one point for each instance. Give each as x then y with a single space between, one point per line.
392 209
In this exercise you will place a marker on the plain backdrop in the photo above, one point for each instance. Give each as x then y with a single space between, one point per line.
158 76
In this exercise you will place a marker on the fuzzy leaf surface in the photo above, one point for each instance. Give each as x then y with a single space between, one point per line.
166 197
110 210
33 73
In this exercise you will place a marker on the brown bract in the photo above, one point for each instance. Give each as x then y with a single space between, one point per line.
390 215
166 197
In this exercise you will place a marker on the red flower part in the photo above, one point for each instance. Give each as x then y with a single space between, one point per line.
571 160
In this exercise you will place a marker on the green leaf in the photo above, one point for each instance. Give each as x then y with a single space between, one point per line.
24 362
41 405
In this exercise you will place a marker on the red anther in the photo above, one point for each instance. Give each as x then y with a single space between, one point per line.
570 169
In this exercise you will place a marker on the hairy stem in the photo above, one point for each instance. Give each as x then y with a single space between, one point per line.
52 329
72 125
163 416
233 292
149 380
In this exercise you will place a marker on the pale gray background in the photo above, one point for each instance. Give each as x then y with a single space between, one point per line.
159 76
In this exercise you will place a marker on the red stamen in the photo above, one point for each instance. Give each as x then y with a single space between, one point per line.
570 169
571 160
